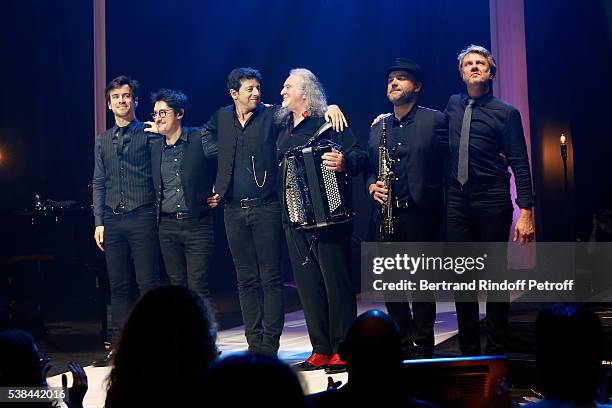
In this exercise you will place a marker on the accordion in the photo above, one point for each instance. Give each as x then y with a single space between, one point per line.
313 196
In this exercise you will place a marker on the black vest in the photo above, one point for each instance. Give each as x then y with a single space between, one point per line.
261 136
128 169
197 173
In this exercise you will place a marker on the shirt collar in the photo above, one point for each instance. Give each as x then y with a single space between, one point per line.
479 101
407 118
130 126
183 138
260 107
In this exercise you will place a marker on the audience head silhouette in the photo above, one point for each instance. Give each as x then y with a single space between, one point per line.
240 377
569 350
372 344
21 363
165 346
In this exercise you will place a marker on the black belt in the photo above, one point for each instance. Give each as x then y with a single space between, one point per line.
176 215
120 209
252 202
479 187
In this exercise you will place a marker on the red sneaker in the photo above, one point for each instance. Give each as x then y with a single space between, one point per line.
316 361
335 365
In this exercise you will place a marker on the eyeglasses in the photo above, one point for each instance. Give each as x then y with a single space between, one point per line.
162 113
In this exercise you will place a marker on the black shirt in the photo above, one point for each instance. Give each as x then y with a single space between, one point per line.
247 152
171 164
495 130
246 182
173 196
402 136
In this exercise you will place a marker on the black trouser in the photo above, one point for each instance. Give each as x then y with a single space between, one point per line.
187 247
128 237
254 235
324 283
417 328
481 216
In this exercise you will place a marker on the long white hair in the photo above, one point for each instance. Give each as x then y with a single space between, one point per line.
316 101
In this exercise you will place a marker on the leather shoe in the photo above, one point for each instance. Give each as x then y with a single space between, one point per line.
335 365
104 361
316 361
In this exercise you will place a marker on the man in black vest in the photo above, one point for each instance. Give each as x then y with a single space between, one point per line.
184 164
247 182
124 201
416 138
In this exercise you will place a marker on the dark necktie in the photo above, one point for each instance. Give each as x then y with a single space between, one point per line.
464 145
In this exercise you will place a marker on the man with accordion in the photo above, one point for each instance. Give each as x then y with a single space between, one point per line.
414 140
316 165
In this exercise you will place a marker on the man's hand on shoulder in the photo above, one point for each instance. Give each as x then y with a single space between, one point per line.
151 127
379 118
335 115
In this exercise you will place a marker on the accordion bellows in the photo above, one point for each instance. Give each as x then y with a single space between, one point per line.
314 196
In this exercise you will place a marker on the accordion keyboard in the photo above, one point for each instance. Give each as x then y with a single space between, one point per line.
331 187
293 197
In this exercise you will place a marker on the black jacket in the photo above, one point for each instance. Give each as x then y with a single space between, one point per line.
198 170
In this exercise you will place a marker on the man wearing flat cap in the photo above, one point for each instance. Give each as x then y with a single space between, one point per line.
416 140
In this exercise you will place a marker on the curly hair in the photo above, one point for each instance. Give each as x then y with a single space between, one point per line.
235 78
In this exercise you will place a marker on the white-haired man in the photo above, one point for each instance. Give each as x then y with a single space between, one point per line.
320 258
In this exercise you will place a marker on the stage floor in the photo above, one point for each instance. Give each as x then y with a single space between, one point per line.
294 347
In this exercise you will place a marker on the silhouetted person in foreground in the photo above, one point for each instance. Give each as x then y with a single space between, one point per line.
172 324
372 350
568 356
239 380
22 364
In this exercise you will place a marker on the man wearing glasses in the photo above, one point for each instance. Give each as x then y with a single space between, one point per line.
184 164
124 203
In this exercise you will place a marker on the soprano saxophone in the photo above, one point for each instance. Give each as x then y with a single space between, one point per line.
385 174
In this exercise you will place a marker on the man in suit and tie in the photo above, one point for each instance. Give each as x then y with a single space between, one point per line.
416 139
184 164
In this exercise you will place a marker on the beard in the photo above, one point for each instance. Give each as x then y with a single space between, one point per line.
128 112
402 98
281 116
